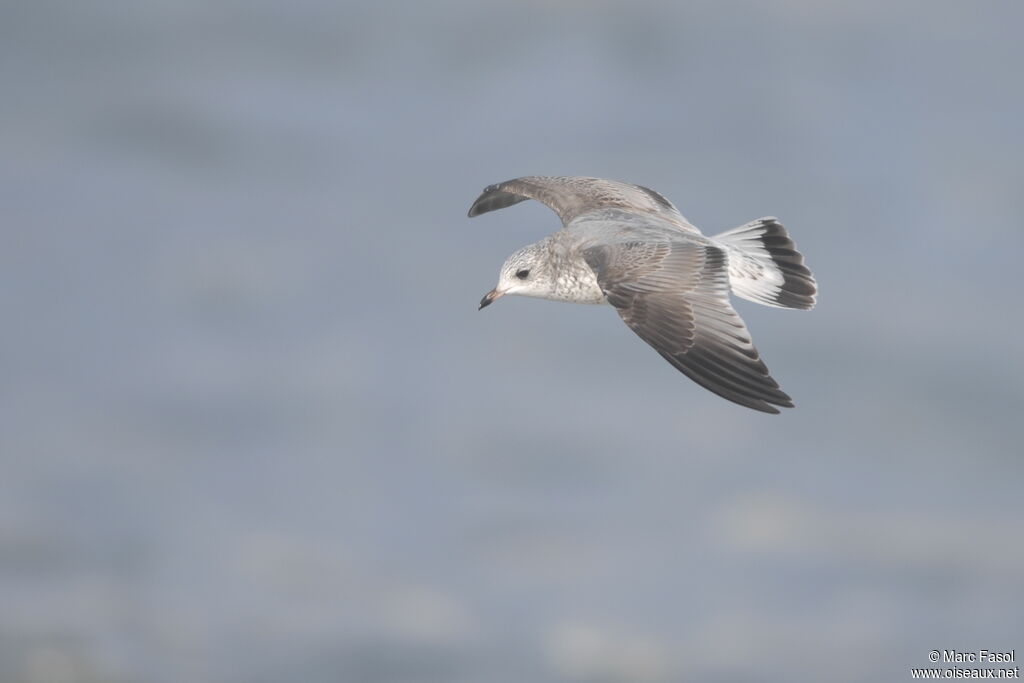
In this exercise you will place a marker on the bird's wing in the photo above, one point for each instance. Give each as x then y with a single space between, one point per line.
573 196
674 295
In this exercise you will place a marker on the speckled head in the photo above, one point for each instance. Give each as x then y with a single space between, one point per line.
527 272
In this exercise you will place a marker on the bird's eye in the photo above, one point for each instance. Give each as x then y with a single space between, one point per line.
523 274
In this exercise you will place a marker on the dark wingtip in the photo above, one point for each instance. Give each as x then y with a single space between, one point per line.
770 407
477 209
764 406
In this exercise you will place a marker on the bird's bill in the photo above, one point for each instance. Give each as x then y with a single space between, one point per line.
490 298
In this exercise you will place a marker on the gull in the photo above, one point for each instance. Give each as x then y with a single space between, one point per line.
628 246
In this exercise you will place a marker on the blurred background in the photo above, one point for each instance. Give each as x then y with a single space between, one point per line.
253 428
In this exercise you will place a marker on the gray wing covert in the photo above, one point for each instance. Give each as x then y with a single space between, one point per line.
674 296
573 196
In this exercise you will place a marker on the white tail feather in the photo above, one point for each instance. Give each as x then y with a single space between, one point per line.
765 267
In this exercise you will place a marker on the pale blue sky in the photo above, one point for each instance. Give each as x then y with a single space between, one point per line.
253 427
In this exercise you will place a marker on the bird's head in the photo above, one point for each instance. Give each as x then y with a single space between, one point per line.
526 273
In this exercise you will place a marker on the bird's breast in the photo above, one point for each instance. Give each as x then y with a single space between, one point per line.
578 286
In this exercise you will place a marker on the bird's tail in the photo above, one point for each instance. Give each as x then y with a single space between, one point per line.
765 267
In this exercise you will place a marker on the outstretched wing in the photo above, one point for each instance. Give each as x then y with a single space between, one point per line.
675 296
572 196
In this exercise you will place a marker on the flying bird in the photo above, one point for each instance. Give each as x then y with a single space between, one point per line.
628 246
